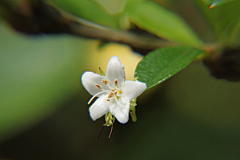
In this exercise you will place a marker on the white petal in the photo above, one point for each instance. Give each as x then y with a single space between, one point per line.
115 70
133 89
121 112
99 108
90 80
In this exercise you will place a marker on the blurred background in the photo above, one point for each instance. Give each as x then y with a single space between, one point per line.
44 110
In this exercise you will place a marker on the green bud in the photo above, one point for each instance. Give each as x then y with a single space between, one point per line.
109 118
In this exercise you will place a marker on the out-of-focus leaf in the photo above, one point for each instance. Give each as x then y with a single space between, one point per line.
216 3
231 35
220 17
207 2
131 3
162 22
112 6
37 75
163 63
90 10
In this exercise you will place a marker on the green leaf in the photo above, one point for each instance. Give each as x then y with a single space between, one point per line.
216 3
90 10
163 63
112 6
162 22
219 17
231 35
207 2
38 74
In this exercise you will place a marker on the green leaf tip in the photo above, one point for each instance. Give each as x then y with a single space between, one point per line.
218 3
101 71
161 64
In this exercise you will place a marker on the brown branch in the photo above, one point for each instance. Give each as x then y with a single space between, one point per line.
44 18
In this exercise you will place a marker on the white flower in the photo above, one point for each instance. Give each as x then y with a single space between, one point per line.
113 91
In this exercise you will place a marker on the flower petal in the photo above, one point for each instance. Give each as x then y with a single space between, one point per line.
115 70
121 112
133 89
99 108
90 80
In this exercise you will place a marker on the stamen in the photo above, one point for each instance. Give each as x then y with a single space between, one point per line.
115 82
104 81
98 86
110 95
95 96
107 99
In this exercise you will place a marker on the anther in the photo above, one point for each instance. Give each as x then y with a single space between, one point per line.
105 81
115 82
110 95
107 100
98 86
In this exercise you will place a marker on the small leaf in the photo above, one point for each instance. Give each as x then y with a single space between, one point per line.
231 34
219 17
216 3
163 63
207 2
162 22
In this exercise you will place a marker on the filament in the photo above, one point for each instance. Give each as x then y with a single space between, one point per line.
96 96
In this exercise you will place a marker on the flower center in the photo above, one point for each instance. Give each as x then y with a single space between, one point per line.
113 92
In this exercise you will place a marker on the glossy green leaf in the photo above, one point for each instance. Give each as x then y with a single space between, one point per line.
162 22
163 63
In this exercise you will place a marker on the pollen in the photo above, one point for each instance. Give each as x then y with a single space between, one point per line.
98 86
105 81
